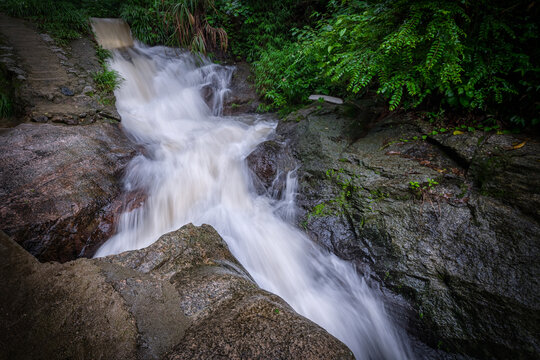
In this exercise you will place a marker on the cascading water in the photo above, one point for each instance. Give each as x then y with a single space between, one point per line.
194 170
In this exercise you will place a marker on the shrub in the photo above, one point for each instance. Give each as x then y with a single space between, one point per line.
464 55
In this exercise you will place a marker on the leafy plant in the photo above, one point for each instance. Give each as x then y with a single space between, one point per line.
438 54
192 28
148 21
106 80
422 189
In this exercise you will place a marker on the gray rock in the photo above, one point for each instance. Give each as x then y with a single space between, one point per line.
46 38
183 297
87 89
40 119
464 252
66 91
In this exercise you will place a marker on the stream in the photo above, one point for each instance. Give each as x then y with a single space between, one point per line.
193 169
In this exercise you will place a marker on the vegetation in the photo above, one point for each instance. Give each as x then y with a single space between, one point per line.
6 101
464 56
106 80
473 58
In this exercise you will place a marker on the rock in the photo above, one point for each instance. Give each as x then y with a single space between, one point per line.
46 38
274 331
58 187
87 89
110 114
243 97
54 311
330 99
66 91
65 119
270 162
464 251
40 119
183 297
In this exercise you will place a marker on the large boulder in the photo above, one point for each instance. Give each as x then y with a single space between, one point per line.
463 247
60 187
183 297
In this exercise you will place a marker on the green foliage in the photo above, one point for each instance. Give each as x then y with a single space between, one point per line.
106 80
192 28
254 26
102 54
422 189
148 21
287 75
439 54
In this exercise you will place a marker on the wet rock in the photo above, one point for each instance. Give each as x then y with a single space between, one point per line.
87 89
462 251
54 311
274 331
66 91
57 185
243 97
183 297
270 162
40 119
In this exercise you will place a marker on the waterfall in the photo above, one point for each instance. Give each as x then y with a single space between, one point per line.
193 169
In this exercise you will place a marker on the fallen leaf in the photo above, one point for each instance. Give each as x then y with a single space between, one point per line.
392 153
519 146
424 162
457 132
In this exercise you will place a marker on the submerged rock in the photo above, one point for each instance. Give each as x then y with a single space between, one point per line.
463 247
183 297
60 189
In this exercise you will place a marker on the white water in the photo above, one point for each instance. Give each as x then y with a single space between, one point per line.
194 170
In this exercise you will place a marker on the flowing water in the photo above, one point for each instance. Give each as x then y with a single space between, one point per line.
194 170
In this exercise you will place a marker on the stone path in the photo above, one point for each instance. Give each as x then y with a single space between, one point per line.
51 85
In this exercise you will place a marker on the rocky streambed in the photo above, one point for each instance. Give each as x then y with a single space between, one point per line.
447 227
184 297
448 222
61 193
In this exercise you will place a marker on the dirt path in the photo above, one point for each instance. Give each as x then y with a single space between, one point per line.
53 83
